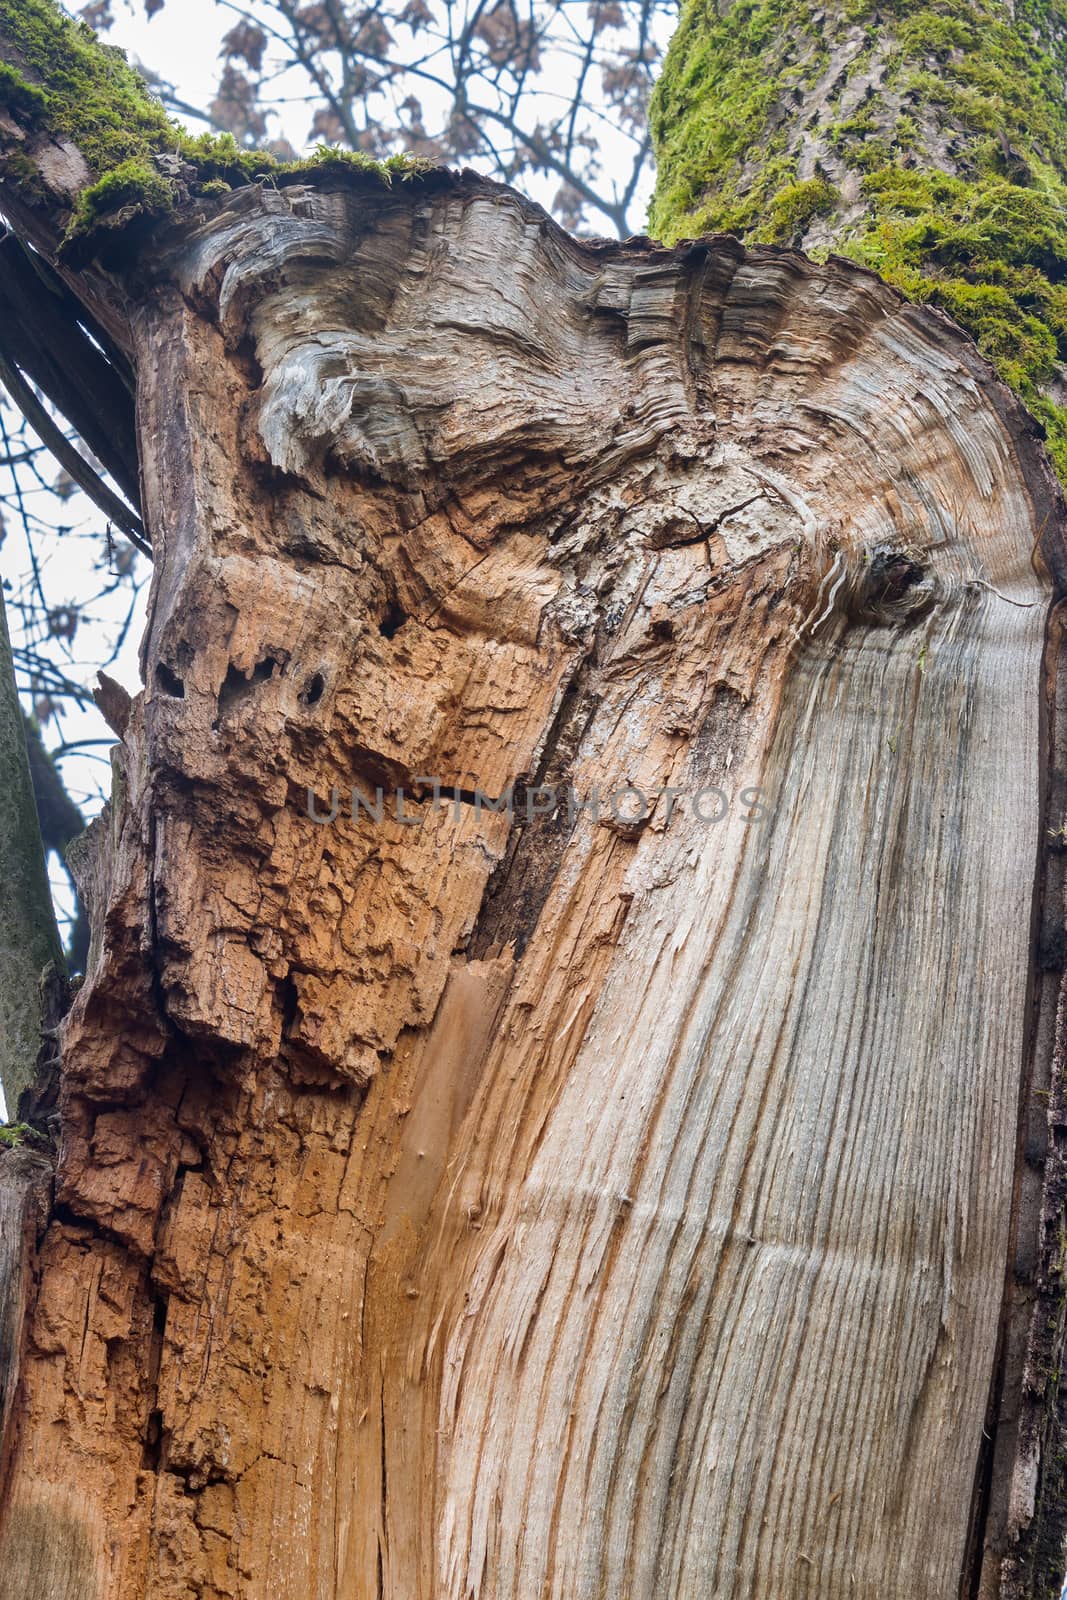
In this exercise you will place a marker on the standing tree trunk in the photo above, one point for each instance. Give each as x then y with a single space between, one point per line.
632 1196
29 938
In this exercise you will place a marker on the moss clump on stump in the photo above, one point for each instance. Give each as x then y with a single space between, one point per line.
70 85
936 136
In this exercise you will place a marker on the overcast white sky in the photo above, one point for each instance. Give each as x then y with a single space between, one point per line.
181 43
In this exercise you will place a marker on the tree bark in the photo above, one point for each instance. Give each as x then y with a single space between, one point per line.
567 1203
29 940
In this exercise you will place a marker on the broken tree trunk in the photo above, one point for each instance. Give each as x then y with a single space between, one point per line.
603 1199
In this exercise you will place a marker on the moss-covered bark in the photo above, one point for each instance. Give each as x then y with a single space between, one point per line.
928 141
29 940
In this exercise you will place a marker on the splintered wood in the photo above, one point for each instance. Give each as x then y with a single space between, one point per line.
600 1201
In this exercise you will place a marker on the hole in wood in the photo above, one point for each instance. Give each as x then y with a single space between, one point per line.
392 620
312 693
289 998
235 685
169 681
889 586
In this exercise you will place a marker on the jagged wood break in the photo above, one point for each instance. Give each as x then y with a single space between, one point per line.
571 1208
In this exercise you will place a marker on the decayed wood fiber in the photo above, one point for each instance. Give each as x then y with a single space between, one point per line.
566 1208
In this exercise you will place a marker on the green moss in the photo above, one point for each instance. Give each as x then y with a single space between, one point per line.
130 183
793 207
906 132
952 111
17 169
326 155
930 33
87 92
24 99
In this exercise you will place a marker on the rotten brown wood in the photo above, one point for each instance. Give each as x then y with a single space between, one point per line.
570 1206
